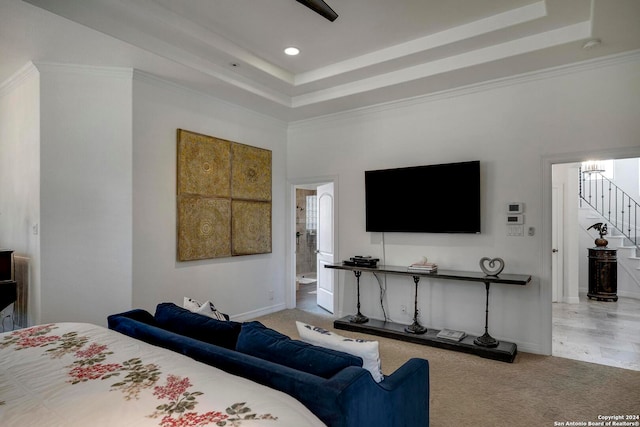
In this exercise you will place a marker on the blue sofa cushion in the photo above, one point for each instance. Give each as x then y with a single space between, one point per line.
257 340
184 322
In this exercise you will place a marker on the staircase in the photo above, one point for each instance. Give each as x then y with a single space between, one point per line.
615 206
601 200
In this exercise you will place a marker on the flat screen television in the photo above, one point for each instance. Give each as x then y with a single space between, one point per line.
442 198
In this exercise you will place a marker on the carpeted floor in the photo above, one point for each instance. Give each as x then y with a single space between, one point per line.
467 390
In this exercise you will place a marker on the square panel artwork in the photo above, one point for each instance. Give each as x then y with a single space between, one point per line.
224 198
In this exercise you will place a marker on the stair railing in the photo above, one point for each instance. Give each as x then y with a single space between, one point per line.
612 203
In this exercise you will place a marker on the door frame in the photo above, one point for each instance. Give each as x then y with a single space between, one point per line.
547 162
290 262
557 242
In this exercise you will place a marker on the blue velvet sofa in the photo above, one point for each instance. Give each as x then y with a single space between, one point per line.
331 384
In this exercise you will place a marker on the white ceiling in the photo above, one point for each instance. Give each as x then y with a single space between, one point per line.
376 51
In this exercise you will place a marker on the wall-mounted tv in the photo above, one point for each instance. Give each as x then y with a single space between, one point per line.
442 198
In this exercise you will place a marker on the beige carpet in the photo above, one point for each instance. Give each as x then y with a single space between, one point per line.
467 390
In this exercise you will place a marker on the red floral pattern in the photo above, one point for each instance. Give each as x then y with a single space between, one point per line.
174 388
93 350
30 337
180 400
92 372
193 419
178 411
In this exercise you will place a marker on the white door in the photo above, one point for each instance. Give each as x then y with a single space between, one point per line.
557 266
325 246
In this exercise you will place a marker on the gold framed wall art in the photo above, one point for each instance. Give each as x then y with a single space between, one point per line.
223 198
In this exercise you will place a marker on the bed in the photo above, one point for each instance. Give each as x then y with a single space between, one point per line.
77 374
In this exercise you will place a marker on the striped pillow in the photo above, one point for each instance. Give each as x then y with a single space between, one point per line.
207 308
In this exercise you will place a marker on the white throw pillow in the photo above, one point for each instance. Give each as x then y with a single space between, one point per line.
206 309
367 350
191 304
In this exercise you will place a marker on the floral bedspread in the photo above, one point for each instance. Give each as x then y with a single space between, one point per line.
76 374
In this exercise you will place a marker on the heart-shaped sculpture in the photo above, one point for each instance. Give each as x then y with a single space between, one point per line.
491 267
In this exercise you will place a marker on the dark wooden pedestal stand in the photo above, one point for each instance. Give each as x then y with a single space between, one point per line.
415 327
358 317
603 274
484 345
486 340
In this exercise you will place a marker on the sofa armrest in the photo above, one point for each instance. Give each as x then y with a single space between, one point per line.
136 314
413 368
408 389
400 400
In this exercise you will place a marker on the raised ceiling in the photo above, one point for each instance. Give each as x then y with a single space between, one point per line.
376 51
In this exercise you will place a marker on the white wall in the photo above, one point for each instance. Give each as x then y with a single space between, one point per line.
237 285
20 170
86 192
516 129
626 174
102 190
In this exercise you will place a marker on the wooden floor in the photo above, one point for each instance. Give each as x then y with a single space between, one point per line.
607 333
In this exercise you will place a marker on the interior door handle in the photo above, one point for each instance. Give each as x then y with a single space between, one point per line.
554 250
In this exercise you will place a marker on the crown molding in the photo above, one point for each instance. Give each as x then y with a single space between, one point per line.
17 78
152 79
477 28
548 73
119 72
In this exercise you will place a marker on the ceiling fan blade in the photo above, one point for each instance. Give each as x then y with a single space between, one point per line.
321 8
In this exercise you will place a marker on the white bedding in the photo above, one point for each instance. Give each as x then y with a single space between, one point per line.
76 374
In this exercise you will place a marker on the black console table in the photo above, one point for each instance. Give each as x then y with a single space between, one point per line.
484 345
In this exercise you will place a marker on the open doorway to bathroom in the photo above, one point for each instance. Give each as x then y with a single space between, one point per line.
305 248
313 243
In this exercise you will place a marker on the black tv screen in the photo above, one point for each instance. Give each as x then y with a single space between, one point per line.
441 198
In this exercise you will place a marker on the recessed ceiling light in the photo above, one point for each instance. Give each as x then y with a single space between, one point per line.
292 51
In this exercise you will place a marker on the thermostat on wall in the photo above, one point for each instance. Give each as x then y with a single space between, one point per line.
515 219
515 207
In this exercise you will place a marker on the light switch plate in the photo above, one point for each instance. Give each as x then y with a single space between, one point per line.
515 230
515 207
515 219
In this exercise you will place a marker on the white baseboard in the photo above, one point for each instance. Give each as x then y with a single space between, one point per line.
250 315
531 348
629 294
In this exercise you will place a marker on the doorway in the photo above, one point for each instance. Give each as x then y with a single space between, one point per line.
584 329
313 230
306 220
